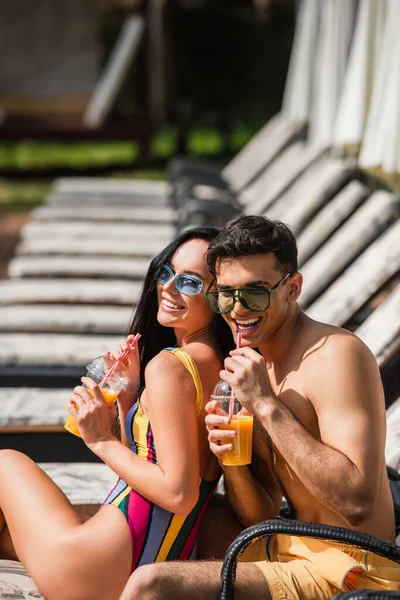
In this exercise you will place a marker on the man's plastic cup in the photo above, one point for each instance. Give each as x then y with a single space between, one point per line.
241 422
111 388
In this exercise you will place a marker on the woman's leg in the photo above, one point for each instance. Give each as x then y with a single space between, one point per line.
66 558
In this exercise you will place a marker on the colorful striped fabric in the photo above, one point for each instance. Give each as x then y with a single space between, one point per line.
157 534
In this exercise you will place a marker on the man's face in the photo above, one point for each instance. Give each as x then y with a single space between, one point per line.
259 270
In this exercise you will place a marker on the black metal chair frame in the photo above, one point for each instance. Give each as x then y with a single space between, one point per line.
367 595
318 531
298 528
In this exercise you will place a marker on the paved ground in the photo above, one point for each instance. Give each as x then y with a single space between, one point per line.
10 224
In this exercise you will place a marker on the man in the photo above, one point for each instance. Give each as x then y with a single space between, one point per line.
316 395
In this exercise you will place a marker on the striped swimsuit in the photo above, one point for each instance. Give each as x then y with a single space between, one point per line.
157 534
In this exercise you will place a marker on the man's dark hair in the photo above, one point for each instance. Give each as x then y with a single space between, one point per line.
255 235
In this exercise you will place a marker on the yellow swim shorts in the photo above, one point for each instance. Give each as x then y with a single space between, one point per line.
305 568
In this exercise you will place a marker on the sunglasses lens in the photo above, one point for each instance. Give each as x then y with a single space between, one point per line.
164 275
223 301
220 301
257 299
188 285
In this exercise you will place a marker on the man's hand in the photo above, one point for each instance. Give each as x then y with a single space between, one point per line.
219 440
246 372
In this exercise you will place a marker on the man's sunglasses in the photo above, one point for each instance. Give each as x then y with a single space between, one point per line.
187 284
256 299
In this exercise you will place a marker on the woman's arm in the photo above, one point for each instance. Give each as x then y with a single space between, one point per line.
170 396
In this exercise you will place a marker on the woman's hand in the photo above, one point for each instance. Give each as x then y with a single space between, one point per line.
220 440
128 396
91 413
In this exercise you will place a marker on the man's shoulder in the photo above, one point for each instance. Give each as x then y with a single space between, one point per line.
323 342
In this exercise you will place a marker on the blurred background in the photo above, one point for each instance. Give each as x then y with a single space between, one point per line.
195 76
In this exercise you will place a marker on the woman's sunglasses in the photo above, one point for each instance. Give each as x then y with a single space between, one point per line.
187 284
256 299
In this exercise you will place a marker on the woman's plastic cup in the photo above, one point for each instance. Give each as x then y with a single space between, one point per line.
241 422
110 389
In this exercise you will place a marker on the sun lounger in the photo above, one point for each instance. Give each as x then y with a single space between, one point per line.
392 450
115 246
330 218
346 243
53 349
381 330
106 267
102 213
70 230
64 318
92 190
361 280
276 179
311 190
76 291
255 156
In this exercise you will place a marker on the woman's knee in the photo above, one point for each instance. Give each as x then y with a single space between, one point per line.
10 458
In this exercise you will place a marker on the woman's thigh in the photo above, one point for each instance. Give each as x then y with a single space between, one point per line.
65 557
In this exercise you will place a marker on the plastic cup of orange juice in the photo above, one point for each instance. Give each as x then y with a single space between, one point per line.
97 370
241 422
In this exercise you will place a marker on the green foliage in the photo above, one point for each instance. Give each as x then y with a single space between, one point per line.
33 155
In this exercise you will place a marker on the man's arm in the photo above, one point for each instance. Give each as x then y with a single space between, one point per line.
343 469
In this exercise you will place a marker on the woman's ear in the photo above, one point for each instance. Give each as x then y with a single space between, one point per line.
295 287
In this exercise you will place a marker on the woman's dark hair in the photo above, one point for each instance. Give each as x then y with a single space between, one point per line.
255 235
155 337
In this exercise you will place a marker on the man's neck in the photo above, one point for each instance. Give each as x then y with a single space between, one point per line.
278 346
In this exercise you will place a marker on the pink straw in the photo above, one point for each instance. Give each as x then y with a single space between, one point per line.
120 359
232 399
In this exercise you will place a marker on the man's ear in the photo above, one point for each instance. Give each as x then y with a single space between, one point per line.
295 287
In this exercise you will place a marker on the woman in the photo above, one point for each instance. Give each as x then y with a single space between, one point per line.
168 472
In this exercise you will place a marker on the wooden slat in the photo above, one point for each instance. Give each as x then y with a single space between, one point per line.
78 228
87 291
281 173
344 245
259 151
53 349
126 214
381 330
112 246
78 266
360 281
95 199
85 484
310 192
100 186
392 451
33 409
329 218
64 318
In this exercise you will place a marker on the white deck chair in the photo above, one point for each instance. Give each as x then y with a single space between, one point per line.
310 192
346 243
381 330
361 280
329 219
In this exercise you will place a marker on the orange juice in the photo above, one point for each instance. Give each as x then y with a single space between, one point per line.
109 397
242 442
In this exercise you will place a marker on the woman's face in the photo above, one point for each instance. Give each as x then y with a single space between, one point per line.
186 312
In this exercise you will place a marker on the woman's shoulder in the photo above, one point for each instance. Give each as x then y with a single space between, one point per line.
202 352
